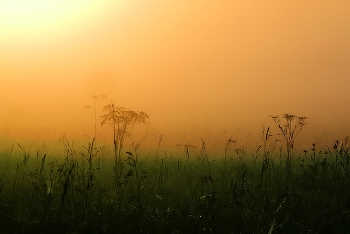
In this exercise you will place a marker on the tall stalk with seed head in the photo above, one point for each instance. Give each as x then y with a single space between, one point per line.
97 104
121 120
290 130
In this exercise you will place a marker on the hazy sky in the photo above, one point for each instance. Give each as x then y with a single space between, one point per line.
196 67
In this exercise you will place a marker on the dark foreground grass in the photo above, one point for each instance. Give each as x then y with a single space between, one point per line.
236 192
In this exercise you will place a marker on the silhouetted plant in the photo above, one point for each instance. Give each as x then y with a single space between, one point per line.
121 119
289 131
97 104
266 157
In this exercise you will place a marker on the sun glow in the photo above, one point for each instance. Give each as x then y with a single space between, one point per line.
38 18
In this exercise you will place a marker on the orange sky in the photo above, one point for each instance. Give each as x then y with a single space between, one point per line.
196 67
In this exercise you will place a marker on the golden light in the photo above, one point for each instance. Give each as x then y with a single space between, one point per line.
38 18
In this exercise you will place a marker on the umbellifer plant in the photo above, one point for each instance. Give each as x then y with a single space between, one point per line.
290 130
121 119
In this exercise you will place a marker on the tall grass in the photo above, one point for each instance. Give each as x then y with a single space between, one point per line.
262 191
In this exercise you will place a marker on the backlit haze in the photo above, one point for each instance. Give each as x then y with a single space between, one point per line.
200 69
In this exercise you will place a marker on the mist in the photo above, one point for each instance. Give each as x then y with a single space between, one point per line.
209 71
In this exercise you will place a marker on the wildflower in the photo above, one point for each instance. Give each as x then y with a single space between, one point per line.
288 117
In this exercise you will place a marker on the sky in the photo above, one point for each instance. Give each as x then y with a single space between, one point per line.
200 69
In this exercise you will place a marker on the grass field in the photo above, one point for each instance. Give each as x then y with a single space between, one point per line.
259 191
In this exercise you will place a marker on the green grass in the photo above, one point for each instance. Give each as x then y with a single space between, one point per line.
196 192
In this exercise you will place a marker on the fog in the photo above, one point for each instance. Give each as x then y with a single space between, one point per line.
208 70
